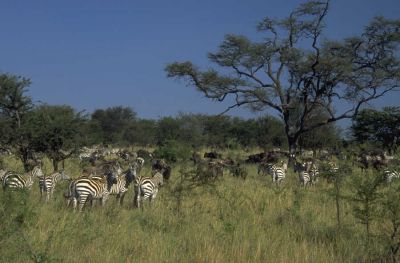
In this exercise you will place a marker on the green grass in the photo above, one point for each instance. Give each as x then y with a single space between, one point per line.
233 220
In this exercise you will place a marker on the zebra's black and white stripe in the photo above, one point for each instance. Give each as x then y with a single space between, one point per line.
312 169
83 189
147 188
333 168
305 178
390 175
314 174
48 183
277 173
304 175
123 181
14 180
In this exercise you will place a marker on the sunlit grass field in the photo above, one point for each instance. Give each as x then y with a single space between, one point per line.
230 220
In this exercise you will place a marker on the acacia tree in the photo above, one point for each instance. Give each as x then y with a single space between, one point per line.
295 70
14 105
55 131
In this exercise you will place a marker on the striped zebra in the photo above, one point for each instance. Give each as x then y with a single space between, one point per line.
312 169
123 181
277 173
333 168
14 180
304 175
48 183
147 188
314 174
83 189
390 175
305 178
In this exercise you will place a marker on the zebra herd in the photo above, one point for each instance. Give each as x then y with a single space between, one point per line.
87 188
309 171
101 182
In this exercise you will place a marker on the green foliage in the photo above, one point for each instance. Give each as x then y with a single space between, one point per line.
54 130
378 127
295 72
13 101
366 198
113 122
173 151
14 105
168 129
390 212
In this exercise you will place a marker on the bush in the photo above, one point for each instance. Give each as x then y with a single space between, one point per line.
173 151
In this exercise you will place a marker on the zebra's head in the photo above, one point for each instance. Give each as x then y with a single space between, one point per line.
131 174
140 161
300 167
37 172
158 179
111 177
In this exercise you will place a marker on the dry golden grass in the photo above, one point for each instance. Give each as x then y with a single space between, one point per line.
235 220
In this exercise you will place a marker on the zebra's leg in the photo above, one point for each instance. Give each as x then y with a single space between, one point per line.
48 195
82 201
153 196
121 198
74 203
41 193
138 200
69 200
103 200
51 193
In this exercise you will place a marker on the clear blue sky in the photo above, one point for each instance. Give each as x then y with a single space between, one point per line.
97 54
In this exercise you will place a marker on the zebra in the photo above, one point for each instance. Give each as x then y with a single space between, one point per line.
161 166
333 168
14 180
314 174
390 175
277 173
48 183
140 161
305 178
94 188
147 188
304 175
123 181
312 169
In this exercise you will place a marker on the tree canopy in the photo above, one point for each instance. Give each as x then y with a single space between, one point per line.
378 127
294 70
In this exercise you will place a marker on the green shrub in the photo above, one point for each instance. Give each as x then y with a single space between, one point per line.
173 151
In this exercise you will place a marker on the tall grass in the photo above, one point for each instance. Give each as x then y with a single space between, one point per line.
232 220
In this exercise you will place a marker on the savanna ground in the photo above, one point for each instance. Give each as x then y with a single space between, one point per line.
229 220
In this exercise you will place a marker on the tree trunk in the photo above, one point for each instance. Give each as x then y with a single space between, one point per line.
55 165
24 156
292 142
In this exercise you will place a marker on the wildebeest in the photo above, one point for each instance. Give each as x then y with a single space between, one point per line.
256 158
212 155
162 167
376 159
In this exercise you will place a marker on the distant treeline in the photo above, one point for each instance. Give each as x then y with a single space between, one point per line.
121 126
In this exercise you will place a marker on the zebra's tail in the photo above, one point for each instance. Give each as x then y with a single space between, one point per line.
5 180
